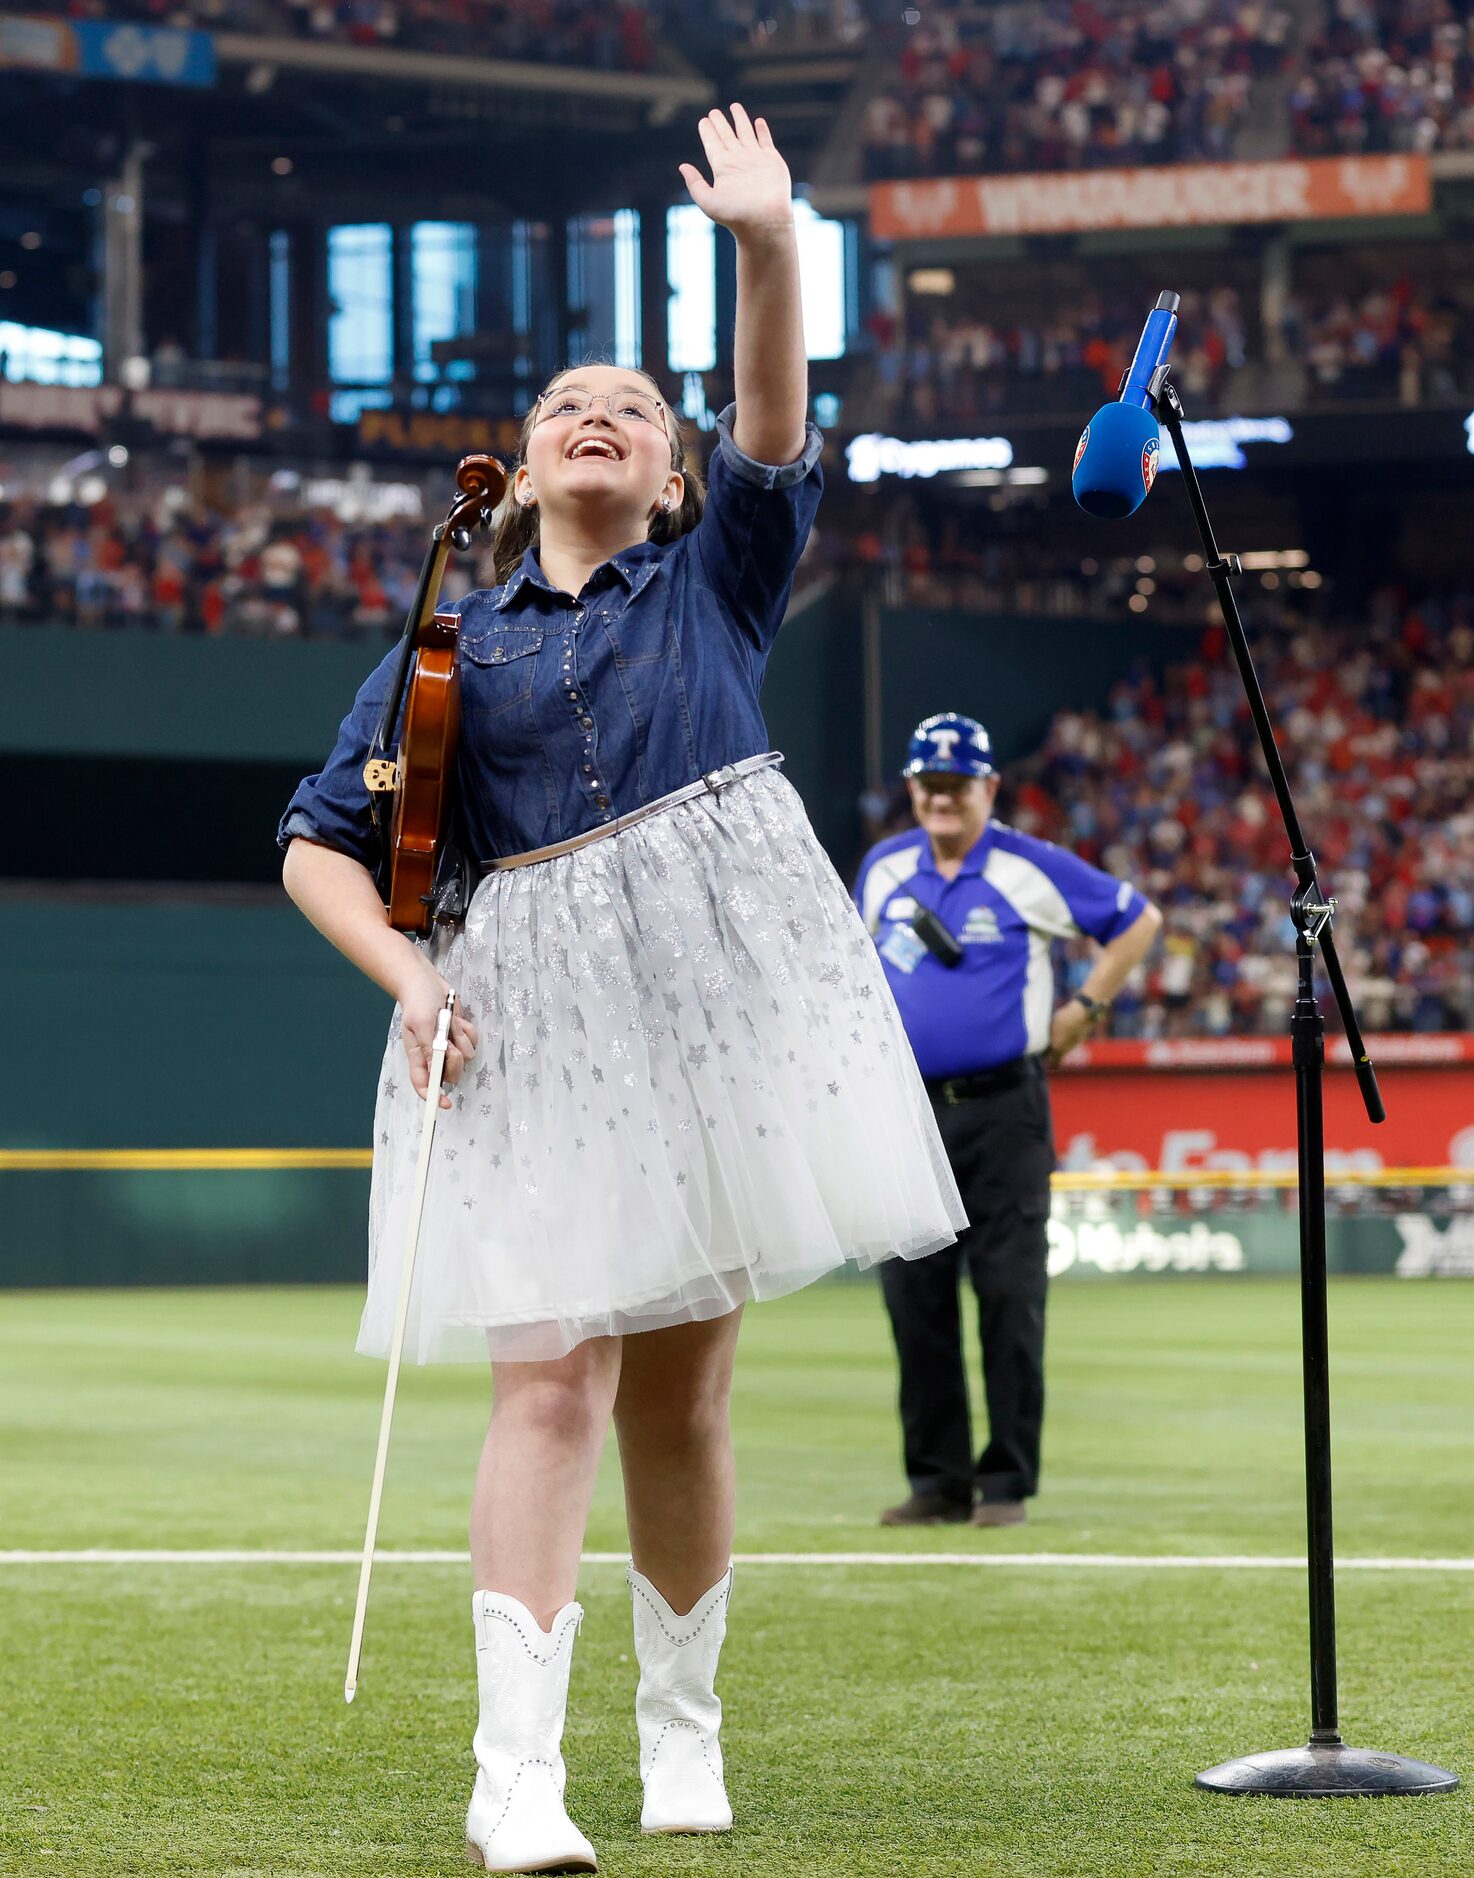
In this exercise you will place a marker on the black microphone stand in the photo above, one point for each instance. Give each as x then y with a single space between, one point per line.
1326 1765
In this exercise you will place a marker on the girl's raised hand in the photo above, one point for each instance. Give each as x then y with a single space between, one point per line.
750 187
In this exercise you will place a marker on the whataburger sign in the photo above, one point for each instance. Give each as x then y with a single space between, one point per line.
1179 195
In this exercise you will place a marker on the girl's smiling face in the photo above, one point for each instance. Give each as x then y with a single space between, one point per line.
600 439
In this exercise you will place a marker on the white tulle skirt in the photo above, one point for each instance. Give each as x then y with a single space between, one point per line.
692 1090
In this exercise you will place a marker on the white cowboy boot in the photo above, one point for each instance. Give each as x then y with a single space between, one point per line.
516 1821
677 1709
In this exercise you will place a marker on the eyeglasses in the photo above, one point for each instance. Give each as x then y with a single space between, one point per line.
638 407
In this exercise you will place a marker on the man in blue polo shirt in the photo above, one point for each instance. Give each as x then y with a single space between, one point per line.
963 911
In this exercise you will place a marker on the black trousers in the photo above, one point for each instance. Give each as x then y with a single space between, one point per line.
1001 1146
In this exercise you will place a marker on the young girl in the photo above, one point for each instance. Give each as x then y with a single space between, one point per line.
679 1081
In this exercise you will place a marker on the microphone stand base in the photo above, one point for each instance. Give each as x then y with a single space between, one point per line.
1325 1771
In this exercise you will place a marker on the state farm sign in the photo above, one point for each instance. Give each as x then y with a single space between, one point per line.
1120 1109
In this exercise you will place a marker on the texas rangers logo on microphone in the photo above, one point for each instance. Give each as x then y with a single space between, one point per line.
1149 457
1084 444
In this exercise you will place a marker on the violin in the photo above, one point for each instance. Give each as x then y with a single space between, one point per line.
410 788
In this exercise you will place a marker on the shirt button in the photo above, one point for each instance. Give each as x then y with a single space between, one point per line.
603 801
588 769
587 722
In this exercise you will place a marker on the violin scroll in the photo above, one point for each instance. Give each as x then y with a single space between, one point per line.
481 476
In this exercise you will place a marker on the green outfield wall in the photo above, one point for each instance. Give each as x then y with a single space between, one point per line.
110 1227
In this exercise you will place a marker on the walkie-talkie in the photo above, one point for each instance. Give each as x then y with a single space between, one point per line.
935 936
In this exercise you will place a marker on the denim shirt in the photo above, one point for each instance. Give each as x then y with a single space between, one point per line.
577 711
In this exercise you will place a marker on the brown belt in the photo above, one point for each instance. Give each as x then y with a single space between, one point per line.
709 784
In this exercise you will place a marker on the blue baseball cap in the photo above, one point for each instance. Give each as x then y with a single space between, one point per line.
950 742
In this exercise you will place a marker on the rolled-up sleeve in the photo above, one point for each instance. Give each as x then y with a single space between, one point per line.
332 807
757 519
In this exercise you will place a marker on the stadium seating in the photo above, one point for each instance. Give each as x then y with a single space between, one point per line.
1167 786
564 32
1386 75
274 573
1055 87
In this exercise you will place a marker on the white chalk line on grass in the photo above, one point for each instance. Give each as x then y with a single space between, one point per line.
1084 1561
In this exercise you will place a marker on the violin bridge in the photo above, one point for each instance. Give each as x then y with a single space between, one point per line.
381 775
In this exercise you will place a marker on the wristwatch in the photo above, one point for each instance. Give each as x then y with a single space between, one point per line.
1095 1011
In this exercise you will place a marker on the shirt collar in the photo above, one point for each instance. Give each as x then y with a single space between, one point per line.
973 862
528 574
629 564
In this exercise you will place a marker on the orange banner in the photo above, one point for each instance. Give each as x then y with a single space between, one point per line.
1174 195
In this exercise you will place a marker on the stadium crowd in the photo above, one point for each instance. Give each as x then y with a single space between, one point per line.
1012 87
1167 787
1058 86
1390 343
1387 75
288 569
948 370
618 35
1065 87
152 564
1395 344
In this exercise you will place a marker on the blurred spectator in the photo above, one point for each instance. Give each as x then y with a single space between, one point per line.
1383 344
787 23
270 570
1061 86
1387 75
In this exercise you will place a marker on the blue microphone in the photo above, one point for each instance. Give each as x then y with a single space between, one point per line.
1116 457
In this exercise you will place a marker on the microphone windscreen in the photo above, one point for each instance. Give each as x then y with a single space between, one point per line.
1116 461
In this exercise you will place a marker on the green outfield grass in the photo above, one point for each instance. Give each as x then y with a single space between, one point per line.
1038 1722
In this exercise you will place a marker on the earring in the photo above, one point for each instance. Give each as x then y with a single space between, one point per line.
665 504
529 501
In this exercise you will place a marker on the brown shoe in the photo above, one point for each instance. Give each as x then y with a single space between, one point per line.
999 1513
926 1509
